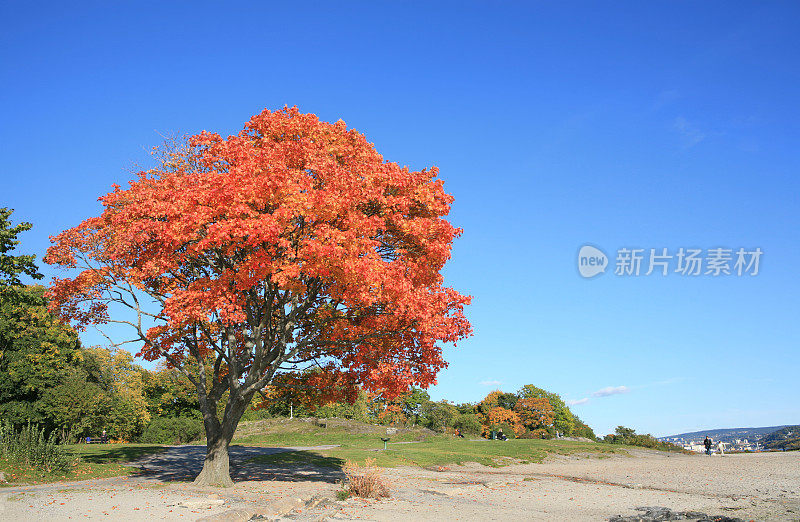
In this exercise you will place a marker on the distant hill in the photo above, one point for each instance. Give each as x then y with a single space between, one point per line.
727 434
787 438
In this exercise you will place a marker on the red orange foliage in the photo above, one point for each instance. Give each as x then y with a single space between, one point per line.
500 415
535 413
292 242
290 210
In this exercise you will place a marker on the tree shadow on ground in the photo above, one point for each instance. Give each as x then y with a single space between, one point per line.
118 453
183 463
291 466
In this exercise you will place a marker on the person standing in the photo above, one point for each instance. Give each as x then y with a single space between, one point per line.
721 448
707 444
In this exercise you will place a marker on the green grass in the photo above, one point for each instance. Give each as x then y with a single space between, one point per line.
284 433
437 451
358 441
324 437
92 461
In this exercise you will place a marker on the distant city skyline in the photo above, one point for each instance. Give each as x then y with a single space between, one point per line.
733 439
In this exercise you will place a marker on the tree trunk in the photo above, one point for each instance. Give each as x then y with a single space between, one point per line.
216 467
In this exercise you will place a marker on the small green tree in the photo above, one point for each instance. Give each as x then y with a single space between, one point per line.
173 430
563 420
14 266
122 382
440 415
170 394
468 423
414 405
75 407
104 392
629 436
625 433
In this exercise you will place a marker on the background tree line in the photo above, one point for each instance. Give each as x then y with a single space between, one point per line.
531 412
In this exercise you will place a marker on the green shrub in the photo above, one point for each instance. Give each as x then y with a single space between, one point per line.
468 423
173 430
252 414
628 436
28 446
439 415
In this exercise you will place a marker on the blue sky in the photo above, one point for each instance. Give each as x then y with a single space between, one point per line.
648 125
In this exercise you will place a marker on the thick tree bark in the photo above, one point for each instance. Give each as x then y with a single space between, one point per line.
216 467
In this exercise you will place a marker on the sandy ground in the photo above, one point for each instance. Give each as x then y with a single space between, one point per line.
762 486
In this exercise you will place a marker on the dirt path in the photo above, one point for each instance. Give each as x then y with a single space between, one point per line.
763 486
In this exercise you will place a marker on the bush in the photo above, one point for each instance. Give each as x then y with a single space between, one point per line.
256 414
173 430
365 481
30 447
439 416
628 436
469 424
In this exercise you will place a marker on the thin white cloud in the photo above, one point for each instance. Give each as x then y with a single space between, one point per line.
490 383
578 401
689 132
611 390
666 382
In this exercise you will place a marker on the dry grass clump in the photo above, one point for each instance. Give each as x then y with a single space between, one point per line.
365 481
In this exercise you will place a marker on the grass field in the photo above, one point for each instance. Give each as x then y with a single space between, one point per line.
440 452
407 448
92 461
282 432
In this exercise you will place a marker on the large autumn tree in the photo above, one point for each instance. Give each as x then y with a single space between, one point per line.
289 246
